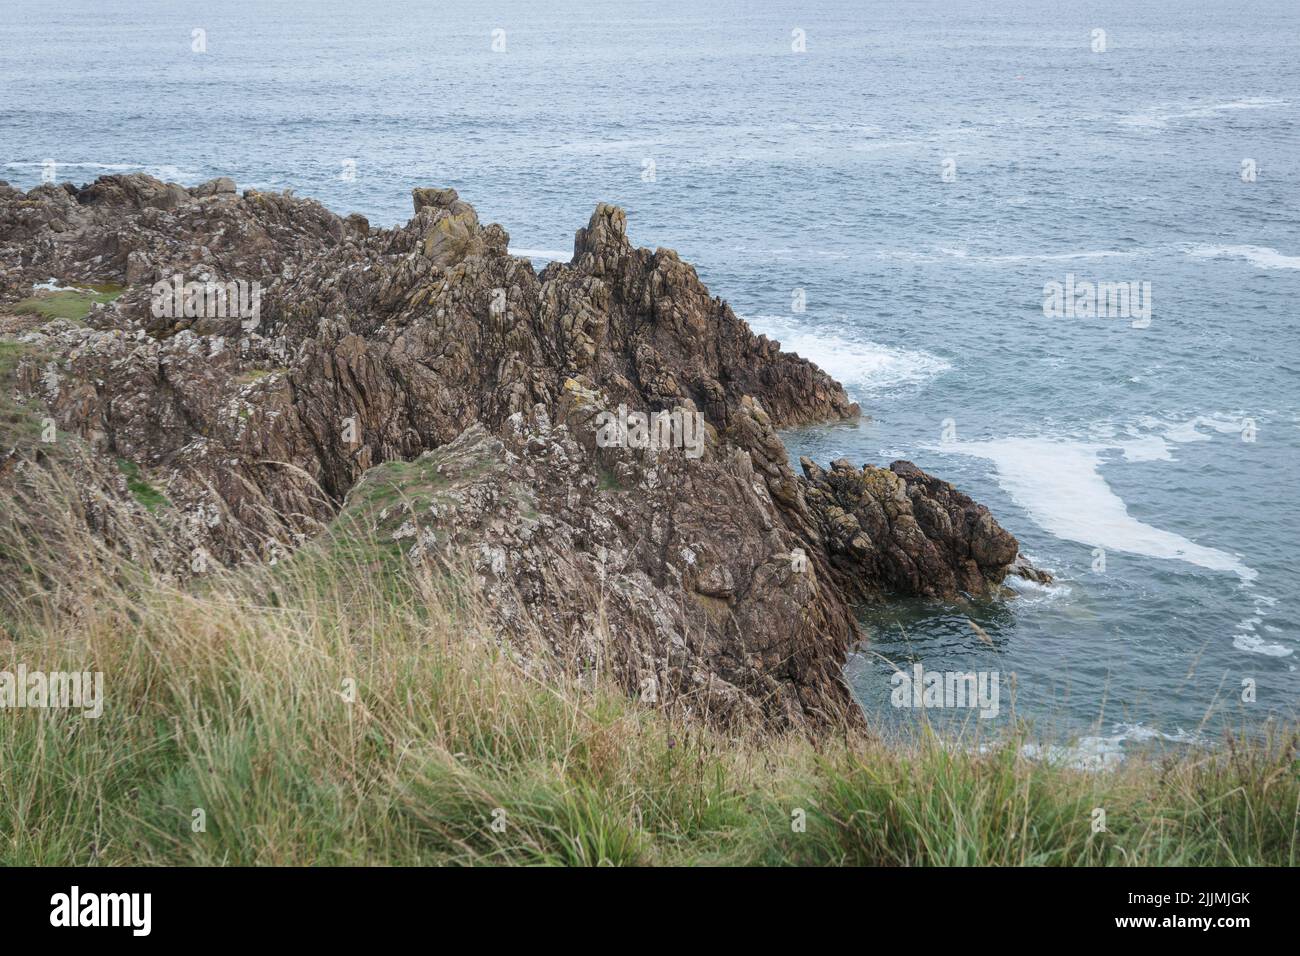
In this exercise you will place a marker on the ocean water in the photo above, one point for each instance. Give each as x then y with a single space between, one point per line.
890 202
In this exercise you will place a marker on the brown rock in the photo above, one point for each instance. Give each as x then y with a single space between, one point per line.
426 357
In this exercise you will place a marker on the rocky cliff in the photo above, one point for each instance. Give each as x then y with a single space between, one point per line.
271 368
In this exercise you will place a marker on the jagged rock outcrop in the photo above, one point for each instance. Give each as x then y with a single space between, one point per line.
899 530
450 398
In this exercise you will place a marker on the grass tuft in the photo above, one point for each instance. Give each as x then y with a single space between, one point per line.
70 304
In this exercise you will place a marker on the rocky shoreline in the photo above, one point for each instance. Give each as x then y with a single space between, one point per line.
442 394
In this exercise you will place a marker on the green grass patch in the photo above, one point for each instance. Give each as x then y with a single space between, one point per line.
71 304
607 480
149 496
257 374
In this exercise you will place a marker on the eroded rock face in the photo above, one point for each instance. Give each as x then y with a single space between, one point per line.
897 530
427 361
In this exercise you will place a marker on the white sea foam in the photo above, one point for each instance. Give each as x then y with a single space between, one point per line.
1150 438
604 146
1153 439
54 285
108 167
1254 644
556 255
1034 592
960 253
164 172
1262 257
1061 256
860 365
790 253
1059 484
1146 448
872 145
1190 430
1247 639
1160 117
1105 752
1251 103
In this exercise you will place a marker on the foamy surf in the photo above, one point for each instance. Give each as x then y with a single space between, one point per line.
1247 637
1048 256
1160 117
1034 592
1262 257
1060 486
949 252
1105 752
860 365
552 255
1153 439
164 172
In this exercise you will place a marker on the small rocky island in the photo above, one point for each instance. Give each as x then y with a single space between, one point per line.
253 370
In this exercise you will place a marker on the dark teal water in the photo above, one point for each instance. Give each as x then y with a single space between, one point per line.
776 171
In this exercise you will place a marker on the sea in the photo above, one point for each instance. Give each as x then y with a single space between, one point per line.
917 196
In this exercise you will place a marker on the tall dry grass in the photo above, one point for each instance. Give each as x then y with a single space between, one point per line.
339 708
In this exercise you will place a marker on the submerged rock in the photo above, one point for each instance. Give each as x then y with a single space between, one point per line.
451 400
